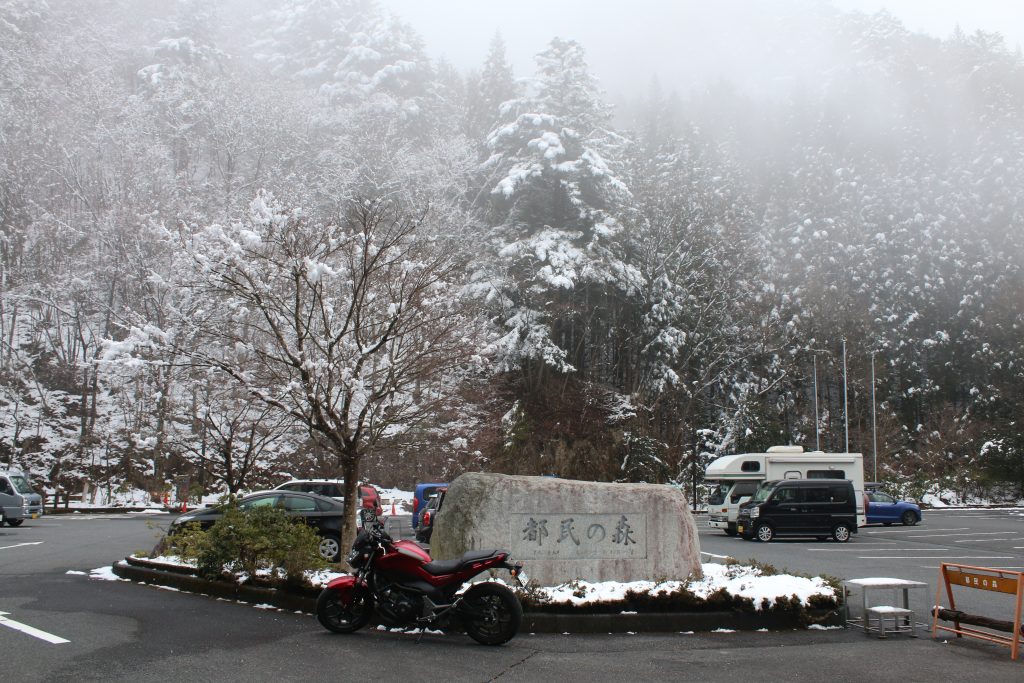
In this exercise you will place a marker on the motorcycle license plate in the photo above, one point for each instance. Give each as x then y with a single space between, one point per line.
522 578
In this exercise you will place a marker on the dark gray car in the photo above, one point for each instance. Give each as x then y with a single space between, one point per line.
322 513
18 501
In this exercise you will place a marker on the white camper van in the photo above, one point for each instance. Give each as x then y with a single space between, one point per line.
735 478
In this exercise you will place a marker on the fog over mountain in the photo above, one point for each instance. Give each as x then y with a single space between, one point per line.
242 240
684 43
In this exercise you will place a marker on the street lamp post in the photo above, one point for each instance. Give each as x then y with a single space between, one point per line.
874 428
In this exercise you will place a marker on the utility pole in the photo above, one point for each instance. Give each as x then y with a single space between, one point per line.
817 424
846 407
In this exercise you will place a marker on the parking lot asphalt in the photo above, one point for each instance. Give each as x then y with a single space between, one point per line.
119 631
987 537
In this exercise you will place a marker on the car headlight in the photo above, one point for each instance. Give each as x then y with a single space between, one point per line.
755 512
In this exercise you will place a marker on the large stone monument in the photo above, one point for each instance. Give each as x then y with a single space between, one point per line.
564 530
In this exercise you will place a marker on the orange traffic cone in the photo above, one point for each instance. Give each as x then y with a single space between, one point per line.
184 506
392 507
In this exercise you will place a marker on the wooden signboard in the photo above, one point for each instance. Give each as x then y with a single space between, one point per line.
981 578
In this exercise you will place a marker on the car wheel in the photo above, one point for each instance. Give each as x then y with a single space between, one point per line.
330 548
909 518
15 522
764 533
841 533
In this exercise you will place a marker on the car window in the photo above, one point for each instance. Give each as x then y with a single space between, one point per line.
840 494
816 495
265 501
826 474
786 494
299 504
327 505
763 491
20 485
744 488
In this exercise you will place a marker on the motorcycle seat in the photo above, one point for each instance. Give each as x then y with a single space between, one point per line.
441 567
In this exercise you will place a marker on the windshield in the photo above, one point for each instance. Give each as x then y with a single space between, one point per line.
21 485
763 491
718 494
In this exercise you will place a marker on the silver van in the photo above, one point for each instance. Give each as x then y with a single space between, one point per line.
18 501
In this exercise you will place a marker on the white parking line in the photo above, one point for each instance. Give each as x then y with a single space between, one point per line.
973 533
18 545
860 549
872 532
935 566
30 630
937 557
986 540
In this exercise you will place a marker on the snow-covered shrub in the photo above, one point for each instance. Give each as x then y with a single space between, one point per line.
246 542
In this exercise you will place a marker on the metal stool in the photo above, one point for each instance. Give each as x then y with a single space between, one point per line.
897 613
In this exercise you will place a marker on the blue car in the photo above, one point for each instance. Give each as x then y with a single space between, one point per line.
884 509
422 494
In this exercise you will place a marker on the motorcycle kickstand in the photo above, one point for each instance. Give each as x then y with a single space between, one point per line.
423 629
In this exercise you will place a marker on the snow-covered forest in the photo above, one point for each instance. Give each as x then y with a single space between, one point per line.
246 239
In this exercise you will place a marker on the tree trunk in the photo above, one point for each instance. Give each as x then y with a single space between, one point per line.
350 472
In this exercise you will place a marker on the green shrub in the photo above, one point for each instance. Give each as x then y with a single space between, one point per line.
245 541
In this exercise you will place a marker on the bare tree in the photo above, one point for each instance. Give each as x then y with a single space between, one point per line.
349 327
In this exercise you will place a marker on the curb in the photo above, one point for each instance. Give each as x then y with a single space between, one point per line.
136 569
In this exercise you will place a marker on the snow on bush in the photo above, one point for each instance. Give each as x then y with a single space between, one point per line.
736 580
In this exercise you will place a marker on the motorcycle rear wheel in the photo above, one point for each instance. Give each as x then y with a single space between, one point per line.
491 613
335 616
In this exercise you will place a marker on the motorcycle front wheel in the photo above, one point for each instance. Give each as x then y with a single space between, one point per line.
491 613
338 617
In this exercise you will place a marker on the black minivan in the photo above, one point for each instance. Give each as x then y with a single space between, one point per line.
800 507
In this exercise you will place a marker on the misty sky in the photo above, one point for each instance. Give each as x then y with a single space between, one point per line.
683 42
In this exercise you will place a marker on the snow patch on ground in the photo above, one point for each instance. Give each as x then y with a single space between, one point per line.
411 631
105 574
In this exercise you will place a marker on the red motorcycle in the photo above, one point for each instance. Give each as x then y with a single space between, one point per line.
399 582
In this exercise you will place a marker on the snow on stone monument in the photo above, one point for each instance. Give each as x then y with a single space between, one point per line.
564 530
